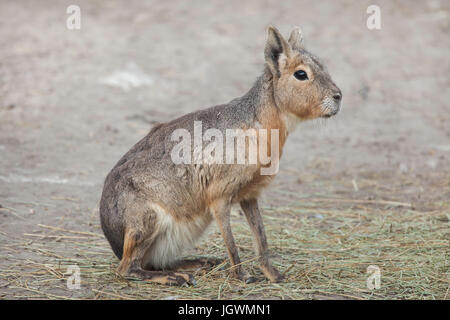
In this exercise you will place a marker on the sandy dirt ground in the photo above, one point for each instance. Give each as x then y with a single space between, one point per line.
72 102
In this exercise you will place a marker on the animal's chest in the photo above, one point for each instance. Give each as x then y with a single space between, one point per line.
253 188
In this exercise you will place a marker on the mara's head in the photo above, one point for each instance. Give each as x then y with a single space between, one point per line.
301 85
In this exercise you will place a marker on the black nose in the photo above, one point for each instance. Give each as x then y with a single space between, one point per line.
337 96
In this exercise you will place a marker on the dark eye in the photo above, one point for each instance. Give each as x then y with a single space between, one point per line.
301 75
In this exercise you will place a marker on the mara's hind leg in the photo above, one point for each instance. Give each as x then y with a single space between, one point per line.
198 263
134 249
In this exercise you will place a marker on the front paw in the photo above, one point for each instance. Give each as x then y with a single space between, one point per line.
244 276
276 278
272 274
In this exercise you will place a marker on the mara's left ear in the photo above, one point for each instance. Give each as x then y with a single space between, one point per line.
296 39
276 49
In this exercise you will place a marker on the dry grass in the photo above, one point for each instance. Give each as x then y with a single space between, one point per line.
322 246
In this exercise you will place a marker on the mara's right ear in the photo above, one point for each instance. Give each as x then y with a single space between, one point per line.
296 39
276 49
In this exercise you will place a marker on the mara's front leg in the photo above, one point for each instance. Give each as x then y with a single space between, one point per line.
251 210
221 212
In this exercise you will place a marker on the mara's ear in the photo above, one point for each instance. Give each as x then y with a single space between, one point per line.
276 49
296 39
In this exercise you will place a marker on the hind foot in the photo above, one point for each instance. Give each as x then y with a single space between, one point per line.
163 277
198 263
